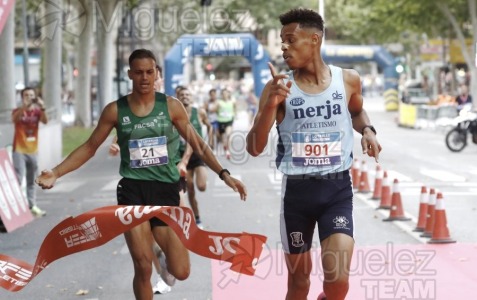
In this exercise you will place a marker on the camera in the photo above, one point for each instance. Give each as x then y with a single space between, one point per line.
34 100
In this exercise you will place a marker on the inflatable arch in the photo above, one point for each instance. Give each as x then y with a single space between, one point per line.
351 54
246 45
241 44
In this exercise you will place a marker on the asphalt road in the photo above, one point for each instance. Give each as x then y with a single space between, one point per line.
414 157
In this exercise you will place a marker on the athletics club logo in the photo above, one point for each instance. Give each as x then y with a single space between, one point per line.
297 239
341 222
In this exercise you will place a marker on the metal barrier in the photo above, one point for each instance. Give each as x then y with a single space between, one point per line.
425 116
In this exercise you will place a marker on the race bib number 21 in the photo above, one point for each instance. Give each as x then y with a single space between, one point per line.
148 152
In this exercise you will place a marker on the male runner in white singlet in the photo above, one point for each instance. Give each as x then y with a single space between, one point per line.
316 107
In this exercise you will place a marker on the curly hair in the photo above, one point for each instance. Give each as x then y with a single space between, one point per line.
306 18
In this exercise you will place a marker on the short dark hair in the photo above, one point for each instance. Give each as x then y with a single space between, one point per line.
180 88
141 53
212 91
306 18
27 88
159 69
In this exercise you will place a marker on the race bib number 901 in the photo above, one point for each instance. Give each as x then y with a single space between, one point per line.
319 149
148 152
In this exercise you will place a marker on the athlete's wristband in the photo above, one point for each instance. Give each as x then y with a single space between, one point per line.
370 127
221 173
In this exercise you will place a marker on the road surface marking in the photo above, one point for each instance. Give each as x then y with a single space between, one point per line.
110 186
442 175
65 187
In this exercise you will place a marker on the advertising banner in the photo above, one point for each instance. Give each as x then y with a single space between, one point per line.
5 9
96 227
14 210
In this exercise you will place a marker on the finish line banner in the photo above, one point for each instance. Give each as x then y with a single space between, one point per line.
97 227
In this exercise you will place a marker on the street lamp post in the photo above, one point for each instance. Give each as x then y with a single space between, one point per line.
26 56
118 60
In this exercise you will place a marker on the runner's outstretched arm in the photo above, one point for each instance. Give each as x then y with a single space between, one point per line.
181 121
84 152
271 100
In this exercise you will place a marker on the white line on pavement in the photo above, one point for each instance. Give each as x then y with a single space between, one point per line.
219 183
442 175
471 184
62 187
403 225
275 178
399 176
110 186
385 213
226 195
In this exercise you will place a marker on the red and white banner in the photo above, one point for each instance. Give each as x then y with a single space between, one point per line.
5 9
14 210
96 227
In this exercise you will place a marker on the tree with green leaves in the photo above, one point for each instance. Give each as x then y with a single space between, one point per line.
384 21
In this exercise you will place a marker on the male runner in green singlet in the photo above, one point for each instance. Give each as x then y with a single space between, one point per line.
195 167
148 125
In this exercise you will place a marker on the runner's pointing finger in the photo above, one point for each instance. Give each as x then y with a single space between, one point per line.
272 69
276 77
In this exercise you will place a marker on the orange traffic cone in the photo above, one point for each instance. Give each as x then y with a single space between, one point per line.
397 212
378 183
430 214
363 179
355 173
440 234
421 223
385 193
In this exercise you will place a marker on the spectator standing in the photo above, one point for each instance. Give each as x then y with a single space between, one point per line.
26 120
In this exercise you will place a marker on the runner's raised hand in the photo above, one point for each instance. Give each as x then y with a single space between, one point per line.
46 180
278 89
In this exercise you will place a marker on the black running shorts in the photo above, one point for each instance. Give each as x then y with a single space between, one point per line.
307 200
223 126
146 192
194 162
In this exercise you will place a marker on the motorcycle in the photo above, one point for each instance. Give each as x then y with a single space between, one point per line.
465 123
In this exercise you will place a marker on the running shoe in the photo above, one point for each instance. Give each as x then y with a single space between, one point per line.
168 278
161 287
37 212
